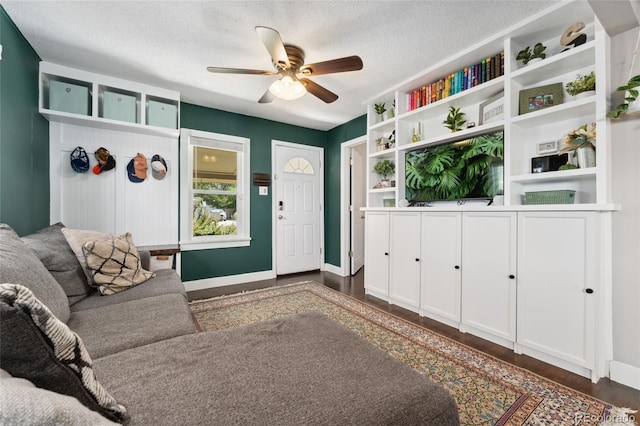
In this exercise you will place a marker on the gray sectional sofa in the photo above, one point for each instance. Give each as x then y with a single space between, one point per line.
147 356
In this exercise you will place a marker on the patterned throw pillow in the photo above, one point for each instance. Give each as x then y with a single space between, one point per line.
77 238
39 347
115 264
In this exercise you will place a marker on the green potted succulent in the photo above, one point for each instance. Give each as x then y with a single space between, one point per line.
380 109
527 55
385 168
582 85
630 98
455 119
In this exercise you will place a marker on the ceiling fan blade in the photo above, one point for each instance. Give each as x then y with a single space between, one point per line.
318 91
272 41
349 63
222 70
266 98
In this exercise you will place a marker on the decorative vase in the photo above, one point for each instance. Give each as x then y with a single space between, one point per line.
533 61
391 113
380 118
586 94
586 157
384 183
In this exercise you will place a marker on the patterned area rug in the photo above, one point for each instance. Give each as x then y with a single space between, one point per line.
488 391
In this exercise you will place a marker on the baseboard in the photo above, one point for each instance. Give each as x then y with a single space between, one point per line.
625 374
334 269
228 280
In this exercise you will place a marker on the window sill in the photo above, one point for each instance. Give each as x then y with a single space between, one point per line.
223 242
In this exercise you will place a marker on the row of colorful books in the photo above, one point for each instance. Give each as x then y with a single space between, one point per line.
457 82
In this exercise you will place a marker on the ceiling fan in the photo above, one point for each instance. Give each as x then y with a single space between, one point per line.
288 61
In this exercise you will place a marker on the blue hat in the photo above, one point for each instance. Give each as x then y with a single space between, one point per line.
137 168
79 160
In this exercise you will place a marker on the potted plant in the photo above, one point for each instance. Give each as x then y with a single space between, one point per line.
385 168
380 109
582 141
582 85
527 55
455 119
630 97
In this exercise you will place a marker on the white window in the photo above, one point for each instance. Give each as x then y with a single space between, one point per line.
214 201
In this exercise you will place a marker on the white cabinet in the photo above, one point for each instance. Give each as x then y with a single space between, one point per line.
488 275
404 275
376 253
440 260
558 285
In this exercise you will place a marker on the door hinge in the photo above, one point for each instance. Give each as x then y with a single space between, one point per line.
351 161
350 253
350 207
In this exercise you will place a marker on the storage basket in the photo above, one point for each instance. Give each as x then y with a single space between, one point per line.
67 97
562 196
118 106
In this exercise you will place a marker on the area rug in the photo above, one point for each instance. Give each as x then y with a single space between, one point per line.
488 391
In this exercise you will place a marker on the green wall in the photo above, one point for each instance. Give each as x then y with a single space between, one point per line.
257 257
24 135
335 137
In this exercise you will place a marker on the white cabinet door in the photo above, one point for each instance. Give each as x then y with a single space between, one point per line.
488 274
558 283
404 278
440 262
376 254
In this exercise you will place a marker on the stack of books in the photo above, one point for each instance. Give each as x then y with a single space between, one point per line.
457 82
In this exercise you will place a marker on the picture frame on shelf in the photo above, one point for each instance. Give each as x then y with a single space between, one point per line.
492 109
537 98
550 147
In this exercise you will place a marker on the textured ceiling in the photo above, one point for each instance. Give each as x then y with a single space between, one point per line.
170 43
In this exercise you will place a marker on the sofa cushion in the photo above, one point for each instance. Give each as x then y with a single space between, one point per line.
21 403
19 265
121 326
40 348
298 370
51 247
166 281
76 239
114 264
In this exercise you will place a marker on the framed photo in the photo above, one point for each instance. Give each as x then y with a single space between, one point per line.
541 97
492 109
547 147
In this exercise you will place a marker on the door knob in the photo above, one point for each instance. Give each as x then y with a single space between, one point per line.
280 217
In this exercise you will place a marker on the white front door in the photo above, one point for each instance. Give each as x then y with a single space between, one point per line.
298 174
358 195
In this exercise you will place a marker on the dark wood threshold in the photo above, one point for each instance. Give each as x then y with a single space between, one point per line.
605 390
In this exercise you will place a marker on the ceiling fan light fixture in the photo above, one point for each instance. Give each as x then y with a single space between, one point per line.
287 88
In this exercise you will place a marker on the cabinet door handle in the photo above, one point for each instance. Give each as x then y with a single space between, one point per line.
457 267
417 260
512 276
589 291
386 254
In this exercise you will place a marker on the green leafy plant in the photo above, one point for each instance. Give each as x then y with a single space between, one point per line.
385 168
457 170
526 54
455 119
380 108
631 95
582 137
581 84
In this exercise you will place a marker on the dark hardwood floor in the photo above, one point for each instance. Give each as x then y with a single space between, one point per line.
605 390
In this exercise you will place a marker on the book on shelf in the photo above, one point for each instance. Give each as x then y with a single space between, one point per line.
459 81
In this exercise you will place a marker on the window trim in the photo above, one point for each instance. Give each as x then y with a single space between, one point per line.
188 138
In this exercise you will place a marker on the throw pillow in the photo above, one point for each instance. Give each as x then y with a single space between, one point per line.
115 264
21 403
40 348
51 247
19 265
76 239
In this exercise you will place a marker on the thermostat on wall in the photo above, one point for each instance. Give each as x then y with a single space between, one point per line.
547 147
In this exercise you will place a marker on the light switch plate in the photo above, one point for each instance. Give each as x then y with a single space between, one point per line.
264 190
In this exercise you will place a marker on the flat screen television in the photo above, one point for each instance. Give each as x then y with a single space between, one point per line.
467 169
